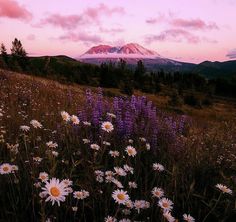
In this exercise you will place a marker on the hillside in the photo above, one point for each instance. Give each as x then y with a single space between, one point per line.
216 69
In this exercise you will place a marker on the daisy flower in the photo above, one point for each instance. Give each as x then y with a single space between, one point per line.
52 145
168 216
111 115
94 146
133 185
110 219
36 124
55 191
165 204
157 192
67 182
114 153
188 218
107 126
120 196
24 128
120 171
86 123
85 141
37 159
5 168
158 167
65 116
43 176
75 120
129 204
224 189
131 151
117 183
128 168
80 195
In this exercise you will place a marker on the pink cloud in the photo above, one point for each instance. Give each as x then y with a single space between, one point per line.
232 54
111 30
90 15
11 9
83 37
30 37
193 23
65 22
174 35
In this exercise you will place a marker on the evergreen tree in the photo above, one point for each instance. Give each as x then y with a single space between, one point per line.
17 49
3 50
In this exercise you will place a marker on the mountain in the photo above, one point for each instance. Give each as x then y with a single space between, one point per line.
131 53
216 69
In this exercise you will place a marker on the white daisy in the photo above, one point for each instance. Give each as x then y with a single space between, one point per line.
224 189
120 171
52 145
24 128
110 219
36 124
55 190
75 120
131 151
165 204
157 192
65 116
5 168
120 196
94 146
114 153
80 195
168 216
158 167
188 218
107 126
133 185
43 176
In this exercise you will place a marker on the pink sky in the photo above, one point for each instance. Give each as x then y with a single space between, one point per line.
183 30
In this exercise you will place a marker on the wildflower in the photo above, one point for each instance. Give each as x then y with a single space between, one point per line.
188 218
67 182
37 185
111 115
36 124
75 120
55 153
129 204
165 204
131 151
148 147
130 141
24 128
120 171
107 126
125 220
95 146
128 168
157 192
14 168
106 143
158 167
141 204
43 176
74 209
37 159
224 188
80 195
142 139
110 219
5 168
117 183
120 196
168 216
55 190
86 123
114 153
65 116
133 185
85 141
50 144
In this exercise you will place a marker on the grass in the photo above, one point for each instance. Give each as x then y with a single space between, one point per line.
195 158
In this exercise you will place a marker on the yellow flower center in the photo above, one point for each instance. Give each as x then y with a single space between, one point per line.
5 168
121 196
165 205
55 191
107 126
43 177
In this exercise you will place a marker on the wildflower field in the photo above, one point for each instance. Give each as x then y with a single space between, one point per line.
69 153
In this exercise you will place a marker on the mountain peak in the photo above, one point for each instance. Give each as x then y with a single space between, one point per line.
130 50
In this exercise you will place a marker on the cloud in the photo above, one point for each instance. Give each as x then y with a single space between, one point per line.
231 54
193 24
111 30
11 9
173 21
174 35
83 37
90 15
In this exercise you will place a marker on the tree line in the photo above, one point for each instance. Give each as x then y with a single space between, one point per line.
117 75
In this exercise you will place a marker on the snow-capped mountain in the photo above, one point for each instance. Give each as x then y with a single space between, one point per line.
131 53
131 50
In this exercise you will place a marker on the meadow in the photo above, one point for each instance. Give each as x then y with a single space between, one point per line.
77 153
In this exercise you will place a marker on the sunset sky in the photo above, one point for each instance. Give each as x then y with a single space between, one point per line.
183 30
